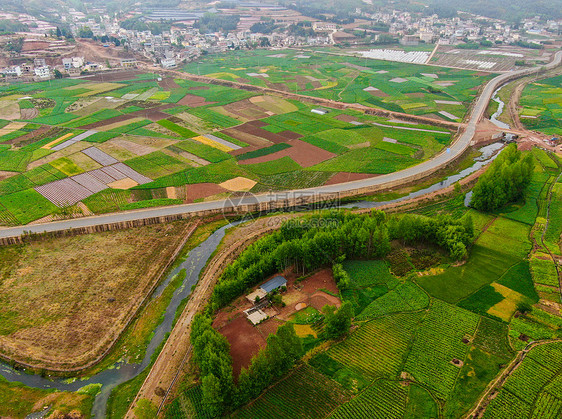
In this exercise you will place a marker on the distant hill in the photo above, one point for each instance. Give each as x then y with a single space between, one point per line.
511 10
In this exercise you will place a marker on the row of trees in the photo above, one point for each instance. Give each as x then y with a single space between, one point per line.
323 239
283 349
211 353
305 245
505 181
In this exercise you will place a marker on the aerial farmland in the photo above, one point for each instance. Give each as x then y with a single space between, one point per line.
131 140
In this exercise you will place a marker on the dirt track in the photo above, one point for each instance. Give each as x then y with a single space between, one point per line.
497 384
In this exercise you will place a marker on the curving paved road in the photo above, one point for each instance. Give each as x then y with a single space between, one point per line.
404 176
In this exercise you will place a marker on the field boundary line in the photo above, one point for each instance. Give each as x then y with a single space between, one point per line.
496 384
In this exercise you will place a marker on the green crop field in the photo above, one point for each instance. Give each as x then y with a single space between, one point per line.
377 349
167 150
504 244
304 390
369 280
438 343
347 78
541 106
156 164
405 297
533 389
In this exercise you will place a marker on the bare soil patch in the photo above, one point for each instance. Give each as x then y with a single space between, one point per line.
304 154
6 175
322 279
343 177
345 118
123 184
203 190
321 299
168 84
245 341
378 93
115 76
66 300
194 101
238 184
29 113
34 46
251 139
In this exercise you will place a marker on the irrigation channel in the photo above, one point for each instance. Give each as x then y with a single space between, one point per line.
193 264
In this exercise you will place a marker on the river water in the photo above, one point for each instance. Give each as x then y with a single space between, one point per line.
124 371
496 115
489 153
193 264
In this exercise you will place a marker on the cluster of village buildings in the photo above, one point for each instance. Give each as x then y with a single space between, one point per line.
184 41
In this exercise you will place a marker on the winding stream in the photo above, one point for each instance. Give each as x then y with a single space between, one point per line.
193 264
124 371
497 114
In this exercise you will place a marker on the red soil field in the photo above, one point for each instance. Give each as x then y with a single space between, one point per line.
343 177
194 101
321 299
168 84
245 341
153 114
247 138
254 128
321 279
304 154
202 190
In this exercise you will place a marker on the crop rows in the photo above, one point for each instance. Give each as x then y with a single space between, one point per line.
383 399
188 405
406 297
156 164
507 406
263 151
377 348
203 151
274 167
547 406
438 342
544 271
549 356
184 132
528 379
305 390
